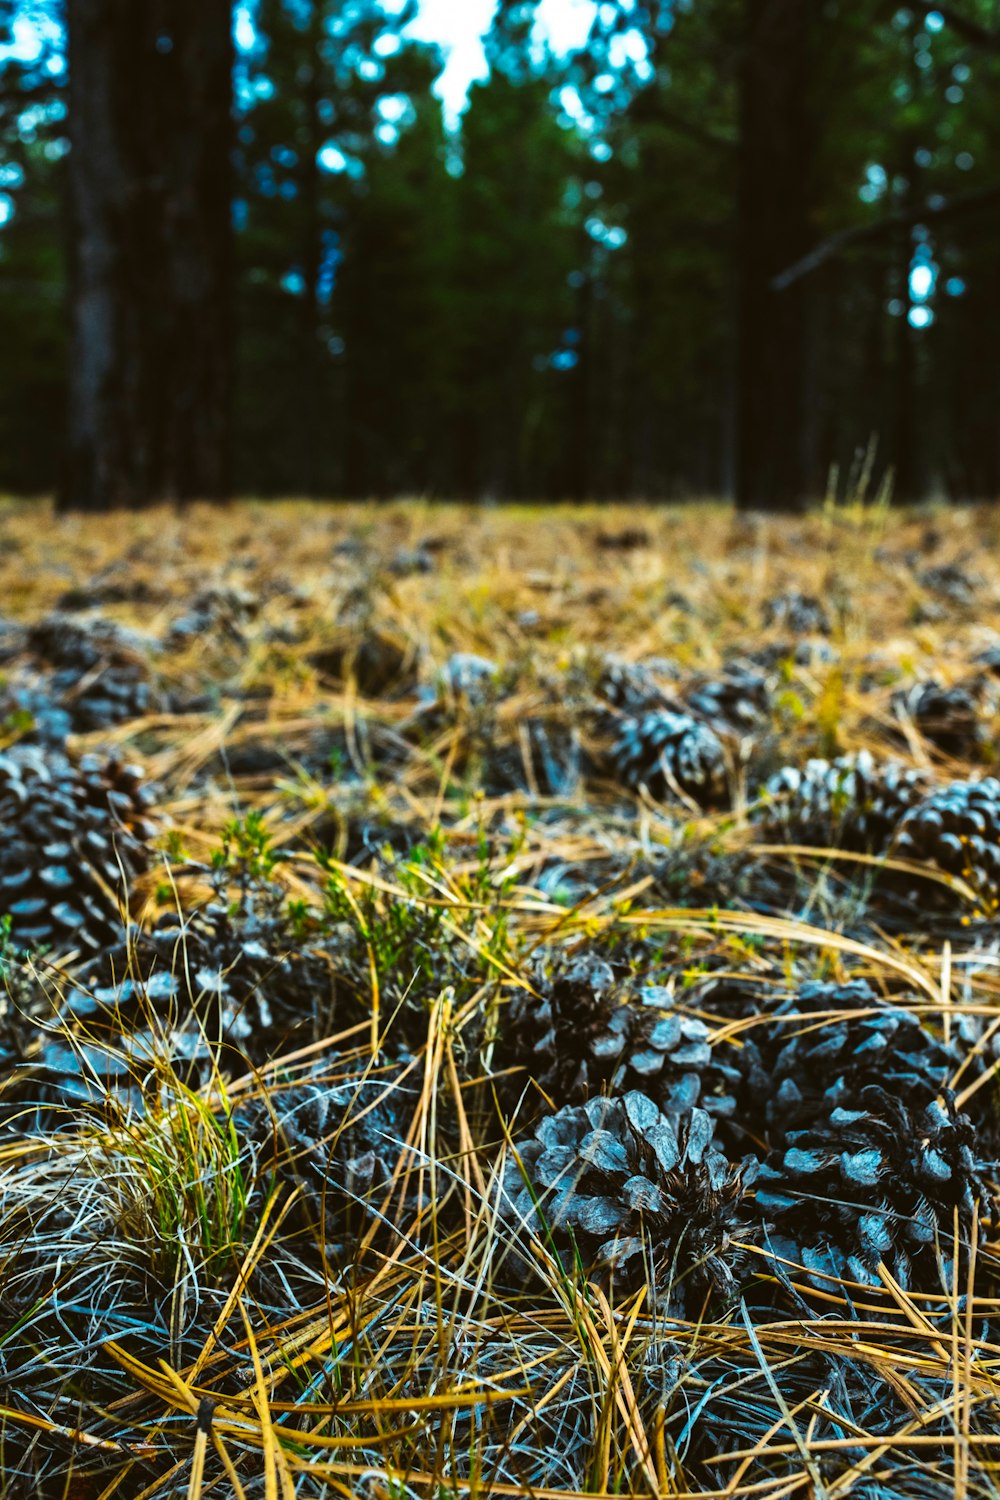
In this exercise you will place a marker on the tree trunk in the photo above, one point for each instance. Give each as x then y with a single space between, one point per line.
311 369
151 281
775 159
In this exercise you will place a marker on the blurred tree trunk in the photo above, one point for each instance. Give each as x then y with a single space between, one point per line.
311 368
149 188
775 146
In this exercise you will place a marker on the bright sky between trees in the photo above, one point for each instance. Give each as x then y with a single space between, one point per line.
458 26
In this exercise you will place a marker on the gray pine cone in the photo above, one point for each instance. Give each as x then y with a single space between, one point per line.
635 1192
586 1034
666 752
958 830
70 832
852 802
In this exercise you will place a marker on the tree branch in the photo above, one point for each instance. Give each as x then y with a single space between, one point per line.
845 239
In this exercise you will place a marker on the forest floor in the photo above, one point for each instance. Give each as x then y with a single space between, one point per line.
499 1002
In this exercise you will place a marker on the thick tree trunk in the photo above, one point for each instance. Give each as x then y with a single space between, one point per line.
149 184
772 465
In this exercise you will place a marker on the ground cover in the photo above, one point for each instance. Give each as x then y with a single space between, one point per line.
499 1002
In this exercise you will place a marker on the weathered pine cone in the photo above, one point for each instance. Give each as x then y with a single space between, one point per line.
946 716
670 752
637 1193
957 829
876 1181
75 835
584 1035
852 802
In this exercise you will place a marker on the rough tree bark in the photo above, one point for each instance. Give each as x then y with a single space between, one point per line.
775 152
150 299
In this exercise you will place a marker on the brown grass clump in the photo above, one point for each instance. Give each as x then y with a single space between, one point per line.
475 1095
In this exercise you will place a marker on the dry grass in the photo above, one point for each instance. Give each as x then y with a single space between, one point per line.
178 1316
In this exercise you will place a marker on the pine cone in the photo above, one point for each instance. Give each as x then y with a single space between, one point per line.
947 717
583 1036
803 1069
217 611
952 582
738 701
465 675
667 751
635 687
70 832
876 1181
958 830
634 1191
340 1139
869 1157
802 614
101 675
853 802
255 989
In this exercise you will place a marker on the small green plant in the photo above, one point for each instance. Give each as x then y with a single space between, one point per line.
246 852
179 1180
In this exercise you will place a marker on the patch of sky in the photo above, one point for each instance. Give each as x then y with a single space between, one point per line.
628 47
6 209
396 109
954 286
610 235
330 258
244 30
331 158
293 282
875 184
573 109
922 279
11 174
965 161
934 21
31 36
920 317
459 26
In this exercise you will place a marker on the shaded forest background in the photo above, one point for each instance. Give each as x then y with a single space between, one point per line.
732 246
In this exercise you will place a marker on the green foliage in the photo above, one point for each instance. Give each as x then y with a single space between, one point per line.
530 307
423 926
246 851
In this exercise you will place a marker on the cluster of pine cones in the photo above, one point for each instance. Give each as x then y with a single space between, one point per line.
828 1135
826 1141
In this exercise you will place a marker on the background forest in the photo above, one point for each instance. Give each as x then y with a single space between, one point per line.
731 246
